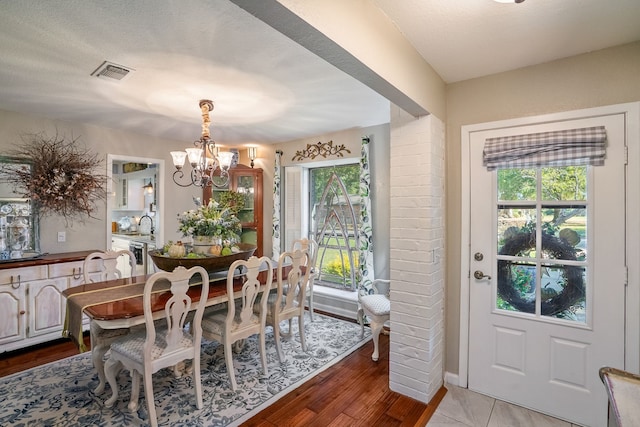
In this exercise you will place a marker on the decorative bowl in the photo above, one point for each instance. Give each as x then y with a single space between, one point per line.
211 263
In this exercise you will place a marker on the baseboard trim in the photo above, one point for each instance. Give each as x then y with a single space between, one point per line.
451 378
334 301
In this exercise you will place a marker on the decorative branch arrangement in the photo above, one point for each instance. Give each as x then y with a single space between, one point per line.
62 178
321 149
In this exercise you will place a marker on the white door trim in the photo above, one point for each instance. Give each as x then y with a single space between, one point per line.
632 319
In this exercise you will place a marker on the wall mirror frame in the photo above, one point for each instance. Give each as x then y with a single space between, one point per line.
13 209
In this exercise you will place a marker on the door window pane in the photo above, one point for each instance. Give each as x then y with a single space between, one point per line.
516 223
517 184
567 183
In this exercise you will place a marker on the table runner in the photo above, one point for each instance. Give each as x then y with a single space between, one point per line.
78 302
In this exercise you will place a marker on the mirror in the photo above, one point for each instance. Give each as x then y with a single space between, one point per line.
19 219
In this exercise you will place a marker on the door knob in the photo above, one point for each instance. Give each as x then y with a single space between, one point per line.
480 275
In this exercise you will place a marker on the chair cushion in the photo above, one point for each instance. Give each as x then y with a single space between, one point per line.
214 320
132 345
377 305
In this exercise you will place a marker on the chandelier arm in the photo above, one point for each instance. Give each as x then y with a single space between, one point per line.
180 175
223 174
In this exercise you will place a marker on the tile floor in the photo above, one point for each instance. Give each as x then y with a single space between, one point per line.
461 407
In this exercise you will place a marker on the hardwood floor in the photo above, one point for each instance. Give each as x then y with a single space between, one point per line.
354 392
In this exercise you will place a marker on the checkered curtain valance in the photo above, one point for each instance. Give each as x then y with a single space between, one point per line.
573 147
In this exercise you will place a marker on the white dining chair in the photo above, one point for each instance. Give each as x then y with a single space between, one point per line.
236 319
163 344
288 300
98 267
377 308
312 247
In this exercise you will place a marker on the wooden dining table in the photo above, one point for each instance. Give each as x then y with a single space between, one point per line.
115 304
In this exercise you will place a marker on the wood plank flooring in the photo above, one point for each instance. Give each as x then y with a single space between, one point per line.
354 392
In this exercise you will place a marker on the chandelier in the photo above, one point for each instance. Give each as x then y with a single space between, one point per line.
209 166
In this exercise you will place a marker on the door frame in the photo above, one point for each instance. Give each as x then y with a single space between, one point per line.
159 229
632 297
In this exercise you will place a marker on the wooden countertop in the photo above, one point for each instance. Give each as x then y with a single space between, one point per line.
47 259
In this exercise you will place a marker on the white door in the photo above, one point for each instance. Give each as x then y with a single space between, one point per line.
533 339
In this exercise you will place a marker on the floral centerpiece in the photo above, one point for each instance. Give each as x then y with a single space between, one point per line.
212 226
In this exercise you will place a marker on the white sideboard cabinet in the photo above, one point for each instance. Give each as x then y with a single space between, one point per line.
32 308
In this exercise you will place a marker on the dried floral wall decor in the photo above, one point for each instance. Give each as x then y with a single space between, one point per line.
63 179
321 149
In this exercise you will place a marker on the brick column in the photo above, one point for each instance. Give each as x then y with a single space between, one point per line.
416 255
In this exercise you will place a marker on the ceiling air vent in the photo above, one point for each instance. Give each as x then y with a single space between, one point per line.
109 70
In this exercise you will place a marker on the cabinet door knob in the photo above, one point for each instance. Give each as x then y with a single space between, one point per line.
22 312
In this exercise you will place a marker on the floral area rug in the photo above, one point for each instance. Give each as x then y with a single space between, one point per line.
61 393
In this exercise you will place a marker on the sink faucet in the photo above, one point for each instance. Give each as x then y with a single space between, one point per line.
150 220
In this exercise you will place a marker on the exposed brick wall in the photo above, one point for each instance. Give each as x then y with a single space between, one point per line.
416 255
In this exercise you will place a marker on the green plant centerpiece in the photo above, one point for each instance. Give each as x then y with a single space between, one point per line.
214 229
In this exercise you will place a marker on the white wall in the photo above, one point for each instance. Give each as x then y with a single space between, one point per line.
605 77
91 233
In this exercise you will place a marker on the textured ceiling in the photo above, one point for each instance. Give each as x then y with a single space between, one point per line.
265 87
473 38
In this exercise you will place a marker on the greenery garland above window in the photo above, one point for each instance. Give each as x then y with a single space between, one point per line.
62 178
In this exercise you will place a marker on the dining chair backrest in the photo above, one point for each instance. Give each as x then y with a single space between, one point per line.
291 289
176 309
250 293
108 265
310 245
240 319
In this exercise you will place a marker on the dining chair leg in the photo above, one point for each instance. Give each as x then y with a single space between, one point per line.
263 352
360 316
97 357
111 369
276 337
301 332
228 357
287 334
134 400
311 307
376 327
197 380
148 396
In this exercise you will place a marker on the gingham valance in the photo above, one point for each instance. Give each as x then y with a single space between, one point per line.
573 147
